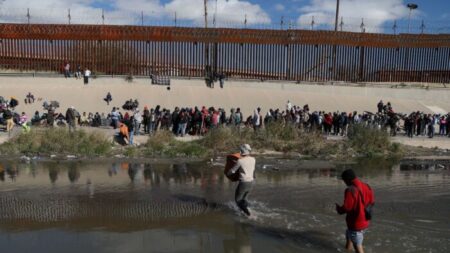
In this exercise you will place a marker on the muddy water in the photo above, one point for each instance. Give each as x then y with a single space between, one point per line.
137 207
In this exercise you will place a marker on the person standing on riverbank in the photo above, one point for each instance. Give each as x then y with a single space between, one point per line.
86 75
67 70
358 196
8 117
245 167
71 118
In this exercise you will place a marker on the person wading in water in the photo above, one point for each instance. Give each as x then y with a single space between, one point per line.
358 196
245 167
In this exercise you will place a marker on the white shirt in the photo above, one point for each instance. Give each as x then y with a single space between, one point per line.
245 166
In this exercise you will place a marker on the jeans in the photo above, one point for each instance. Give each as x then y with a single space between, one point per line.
181 129
137 128
114 123
356 237
240 196
430 131
151 127
72 126
442 129
131 137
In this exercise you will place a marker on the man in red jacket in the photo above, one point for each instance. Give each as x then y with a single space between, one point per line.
357 196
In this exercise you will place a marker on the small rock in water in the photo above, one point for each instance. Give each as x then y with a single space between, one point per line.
52 156
119 156
71 157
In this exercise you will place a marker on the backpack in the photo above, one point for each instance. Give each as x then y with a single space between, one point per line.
368 208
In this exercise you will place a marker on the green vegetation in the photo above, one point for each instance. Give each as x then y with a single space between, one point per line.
275 136
281 137
57 141
371 142
163 144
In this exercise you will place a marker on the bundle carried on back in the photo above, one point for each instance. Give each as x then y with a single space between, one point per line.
231 161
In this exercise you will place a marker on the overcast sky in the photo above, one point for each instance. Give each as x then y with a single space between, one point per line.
377 14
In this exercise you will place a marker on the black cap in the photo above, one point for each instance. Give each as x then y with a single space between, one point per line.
348 175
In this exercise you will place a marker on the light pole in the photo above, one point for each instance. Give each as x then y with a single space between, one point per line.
411 7
337 16
334 46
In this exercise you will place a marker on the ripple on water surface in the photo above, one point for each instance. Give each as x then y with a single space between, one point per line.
189 207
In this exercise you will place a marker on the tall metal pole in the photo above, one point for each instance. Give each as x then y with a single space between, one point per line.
422 27
175 19
337 16
409 20
206 13
245 21
334 47
208 72
411 7
28 15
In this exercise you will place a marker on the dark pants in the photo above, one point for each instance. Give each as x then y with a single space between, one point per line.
86 80
242 191
430 131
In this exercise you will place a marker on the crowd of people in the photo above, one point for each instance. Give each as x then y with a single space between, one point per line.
199 120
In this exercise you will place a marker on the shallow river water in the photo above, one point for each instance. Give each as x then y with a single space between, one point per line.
188 207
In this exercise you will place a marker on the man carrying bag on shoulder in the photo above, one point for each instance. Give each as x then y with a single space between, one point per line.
358 203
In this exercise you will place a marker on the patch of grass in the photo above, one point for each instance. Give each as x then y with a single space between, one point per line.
274 136
371 142
225 139
278 136
131 152
57 141
163 144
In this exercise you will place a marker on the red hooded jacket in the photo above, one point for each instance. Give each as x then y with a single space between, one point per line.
353 205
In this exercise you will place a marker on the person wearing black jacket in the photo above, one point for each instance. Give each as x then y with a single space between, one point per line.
130 123
71 118
175 120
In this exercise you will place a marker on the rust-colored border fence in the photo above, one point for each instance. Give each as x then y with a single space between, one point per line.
294 55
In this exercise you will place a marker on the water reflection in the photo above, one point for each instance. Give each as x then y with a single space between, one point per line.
293 205
12 171
2 173
73 173
114 169
133 169
240 243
